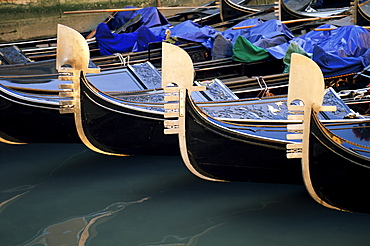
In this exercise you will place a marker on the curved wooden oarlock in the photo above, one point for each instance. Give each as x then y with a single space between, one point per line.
177 77
72 51
177 80
306 84
73 57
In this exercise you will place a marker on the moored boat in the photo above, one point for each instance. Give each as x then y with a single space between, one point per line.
20 84
336 168
361 12
39 93
231 10
301 17
289 11
220 150
105 123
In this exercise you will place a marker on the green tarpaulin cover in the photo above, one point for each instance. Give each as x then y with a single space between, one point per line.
294 47
245 51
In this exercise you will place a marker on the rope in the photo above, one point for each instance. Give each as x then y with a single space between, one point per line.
123 60
264 90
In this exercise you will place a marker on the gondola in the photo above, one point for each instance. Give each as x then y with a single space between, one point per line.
134 121
239 12
197 51
228 10
205 15
130 126
40 95
288 11
28 119
14 59
293 12
36 88
124 126
220 150
138 83
361 13
42 75
43 90
34 50
358 99
336 168
231 10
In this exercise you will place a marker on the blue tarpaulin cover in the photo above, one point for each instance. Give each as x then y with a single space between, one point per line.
222 47
340 51
232 35
190 31
110 43
250 43
151 17
154 31
263 34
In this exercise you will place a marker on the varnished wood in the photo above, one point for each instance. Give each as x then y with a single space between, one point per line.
306 84
133 9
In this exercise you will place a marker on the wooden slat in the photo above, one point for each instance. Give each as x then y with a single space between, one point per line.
296 21
134 9
294 136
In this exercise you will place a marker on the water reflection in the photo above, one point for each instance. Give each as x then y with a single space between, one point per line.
6 203
362 133
78 230
65 194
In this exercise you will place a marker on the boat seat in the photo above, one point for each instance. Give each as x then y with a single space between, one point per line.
216 91
13 55
150 78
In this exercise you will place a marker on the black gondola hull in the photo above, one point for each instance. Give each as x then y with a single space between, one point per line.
118 129
339 176
226 155
25 121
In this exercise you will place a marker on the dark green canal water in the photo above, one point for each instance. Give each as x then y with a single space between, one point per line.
65 194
